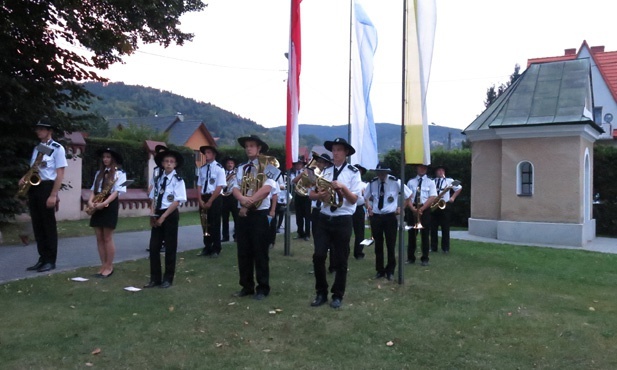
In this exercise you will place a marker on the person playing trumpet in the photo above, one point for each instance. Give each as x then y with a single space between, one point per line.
441 217
423 194
210 183
42 199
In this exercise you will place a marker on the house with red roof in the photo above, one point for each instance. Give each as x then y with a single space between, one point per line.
604 77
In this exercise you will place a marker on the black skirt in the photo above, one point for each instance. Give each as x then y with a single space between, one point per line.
106 217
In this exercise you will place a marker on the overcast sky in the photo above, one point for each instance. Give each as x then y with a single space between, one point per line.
237 62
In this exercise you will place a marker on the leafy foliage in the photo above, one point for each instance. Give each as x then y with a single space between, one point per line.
40 73
492 93
139 133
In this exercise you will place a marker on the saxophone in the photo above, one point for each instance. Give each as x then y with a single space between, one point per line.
100 197
32 178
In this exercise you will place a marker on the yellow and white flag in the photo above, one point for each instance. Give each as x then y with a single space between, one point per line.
421 18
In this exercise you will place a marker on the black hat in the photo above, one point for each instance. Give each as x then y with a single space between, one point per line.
324 156
206 147
159 148
264 147
361 168
44 122
158 158
382 167
230 158
116 156
301 159
443 167
340 141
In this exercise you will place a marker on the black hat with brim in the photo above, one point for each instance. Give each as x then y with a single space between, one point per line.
382 167
340 141
230 159
158 158
361 168
44 122
116 156
206 147
323 156
264 147
159 148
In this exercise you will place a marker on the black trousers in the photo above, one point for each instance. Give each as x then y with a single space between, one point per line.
425 220
303 215
252 236
334 234
358 231
212 243
384 226
280 214
167 233
229 206
43 221
440 218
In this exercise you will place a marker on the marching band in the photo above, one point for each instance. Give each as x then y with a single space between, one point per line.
255 193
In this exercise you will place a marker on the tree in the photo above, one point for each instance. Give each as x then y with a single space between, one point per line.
492 94
41 74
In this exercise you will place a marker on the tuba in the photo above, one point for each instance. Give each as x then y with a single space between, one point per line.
252 183
306 182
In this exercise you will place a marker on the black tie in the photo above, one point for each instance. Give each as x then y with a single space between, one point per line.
207 179
417 201
248 168
159 200
334 177
381 194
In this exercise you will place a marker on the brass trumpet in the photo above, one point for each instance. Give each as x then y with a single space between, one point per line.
231 178
418 224
307 181
204 221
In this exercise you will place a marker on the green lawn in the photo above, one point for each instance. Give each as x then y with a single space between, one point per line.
484 306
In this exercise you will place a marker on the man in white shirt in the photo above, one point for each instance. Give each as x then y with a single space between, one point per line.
423 193
335 221
441 217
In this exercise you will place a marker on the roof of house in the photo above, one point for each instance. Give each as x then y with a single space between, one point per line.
179 129
545 94
606 61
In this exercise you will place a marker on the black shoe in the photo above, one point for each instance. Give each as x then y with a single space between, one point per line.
424 263
35 267
165 284
410 262
447 251
390 277
379 275
242 293
204 253
151 284
46 267
331 270
360 257
336 303
319 300
214 255
259 297
298 237
306 238
434 250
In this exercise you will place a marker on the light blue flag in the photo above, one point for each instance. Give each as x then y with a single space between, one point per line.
363 46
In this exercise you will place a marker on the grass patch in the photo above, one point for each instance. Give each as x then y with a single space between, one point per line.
484 306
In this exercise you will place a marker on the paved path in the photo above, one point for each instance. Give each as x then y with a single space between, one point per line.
81 251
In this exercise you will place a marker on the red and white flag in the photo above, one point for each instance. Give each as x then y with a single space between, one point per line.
293 85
